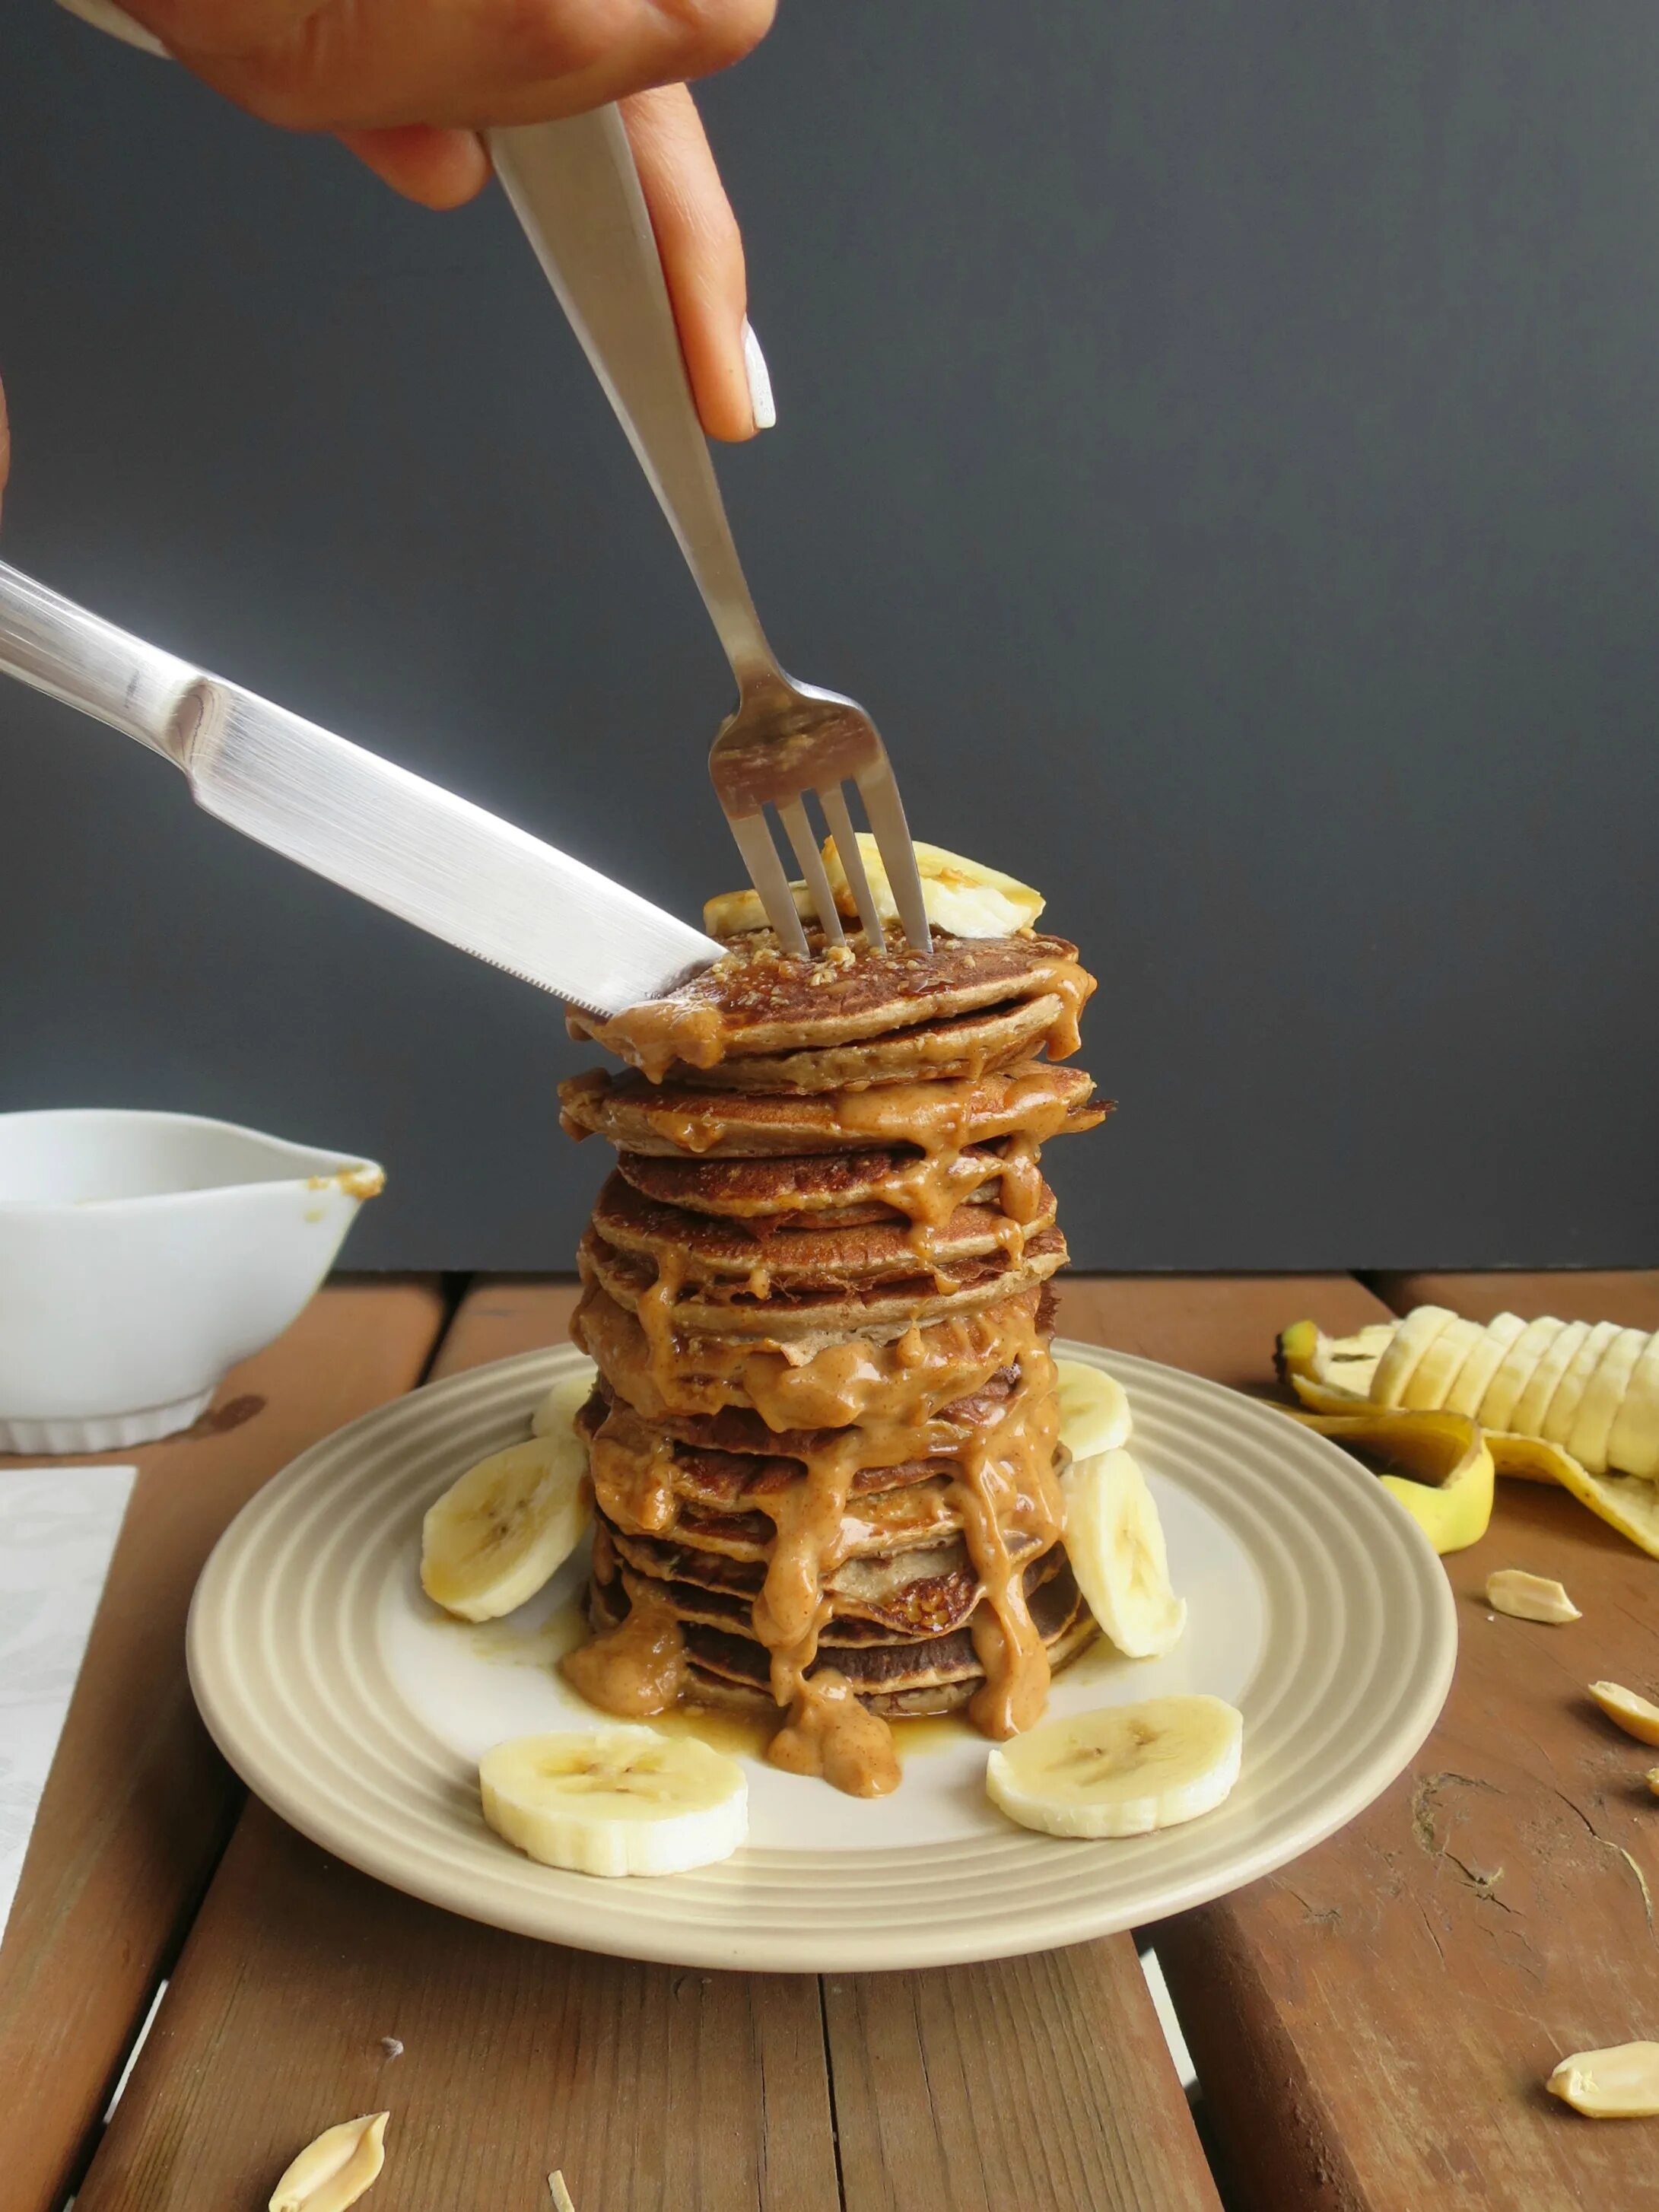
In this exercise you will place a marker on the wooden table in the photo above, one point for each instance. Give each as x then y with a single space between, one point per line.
1372 2026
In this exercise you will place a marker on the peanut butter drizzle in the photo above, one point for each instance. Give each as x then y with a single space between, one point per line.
880 1402
830 1734
637 1667
662 1371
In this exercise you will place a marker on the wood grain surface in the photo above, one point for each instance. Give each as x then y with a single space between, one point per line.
1373 2026
1040 2082
138 1804
1043 2082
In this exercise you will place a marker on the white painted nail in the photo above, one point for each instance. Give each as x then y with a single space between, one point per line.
760 381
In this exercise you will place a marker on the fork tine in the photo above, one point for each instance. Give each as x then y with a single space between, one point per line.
833 800
793 814
765 872
886 809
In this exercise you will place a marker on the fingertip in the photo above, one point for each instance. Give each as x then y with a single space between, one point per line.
437 169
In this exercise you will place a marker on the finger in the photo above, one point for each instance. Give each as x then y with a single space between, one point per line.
701 250
439 168
364 64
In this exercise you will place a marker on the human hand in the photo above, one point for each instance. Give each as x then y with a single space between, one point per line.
408 85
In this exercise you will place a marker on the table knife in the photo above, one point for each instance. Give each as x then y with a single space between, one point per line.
405 844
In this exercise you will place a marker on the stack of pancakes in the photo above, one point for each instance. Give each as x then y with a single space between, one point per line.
824 1436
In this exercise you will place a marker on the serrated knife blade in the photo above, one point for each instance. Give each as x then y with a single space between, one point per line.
409 846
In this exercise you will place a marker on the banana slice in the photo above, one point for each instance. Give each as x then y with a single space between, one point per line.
557 1412
1407 1347
960 895
1556 1425
616 1801
496 1535
1527 1419
1122 1770
335 2170
1114 1542
1501 1332
1094 1409
1514 1370
1633 1443
1434 1377
1604 1395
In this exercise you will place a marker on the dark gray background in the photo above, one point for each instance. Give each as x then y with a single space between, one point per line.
1219 442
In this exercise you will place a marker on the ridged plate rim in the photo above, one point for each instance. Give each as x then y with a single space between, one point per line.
287 1670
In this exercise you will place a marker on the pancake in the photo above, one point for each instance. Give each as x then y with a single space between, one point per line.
723 1256
825 1441
759 1000
843 1190
891 1678
671 1120
793 1318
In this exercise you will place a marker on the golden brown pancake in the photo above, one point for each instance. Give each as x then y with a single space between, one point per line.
790 1318
824 1444
727 1258
682 1122
757 1000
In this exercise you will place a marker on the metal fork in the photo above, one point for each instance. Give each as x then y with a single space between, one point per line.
576 192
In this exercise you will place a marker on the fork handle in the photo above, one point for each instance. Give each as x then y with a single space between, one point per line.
576 192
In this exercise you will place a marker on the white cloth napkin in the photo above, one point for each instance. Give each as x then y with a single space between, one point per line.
57 1531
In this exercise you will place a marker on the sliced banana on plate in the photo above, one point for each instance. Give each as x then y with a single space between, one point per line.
1094 1409
1122 1770
616 1801
555 1415
1115 1542
960 895
507 1527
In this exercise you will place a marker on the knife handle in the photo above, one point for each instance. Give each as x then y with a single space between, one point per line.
576 192
48 641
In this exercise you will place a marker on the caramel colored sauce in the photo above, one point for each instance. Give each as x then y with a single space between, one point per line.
830 1734
638 1668
670 1373
848 1403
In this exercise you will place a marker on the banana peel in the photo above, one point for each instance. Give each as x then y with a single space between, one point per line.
1329 1375
1449 1486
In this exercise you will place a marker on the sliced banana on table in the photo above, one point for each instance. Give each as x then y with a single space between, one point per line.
557 1414
335 2170
1572 1403
1604 1393
1094 1409
1115 1542
616 1801
960 895
505 1527
1407 1349
1474 1378
1122 1770
1514 1370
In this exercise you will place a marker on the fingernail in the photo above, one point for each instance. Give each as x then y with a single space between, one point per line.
760 382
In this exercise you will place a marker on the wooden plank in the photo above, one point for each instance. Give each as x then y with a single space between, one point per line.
1041 2082
649 2086
1372 2027
1629 1296
138 1804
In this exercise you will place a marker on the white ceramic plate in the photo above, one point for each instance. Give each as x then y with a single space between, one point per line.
357 1710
